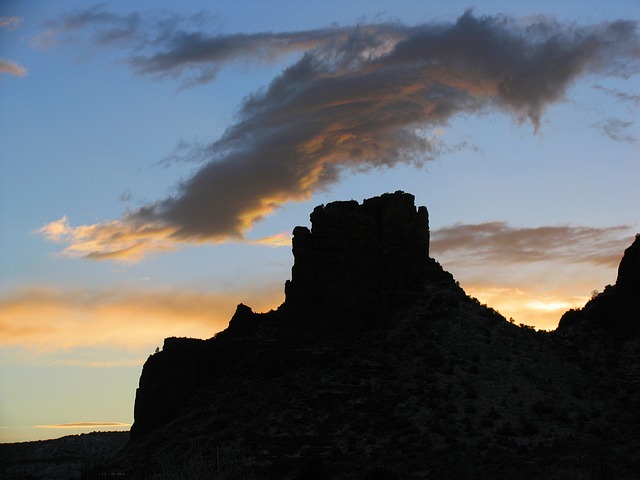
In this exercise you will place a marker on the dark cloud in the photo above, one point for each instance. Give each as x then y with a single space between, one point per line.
500 243
199 57
163 44
356 99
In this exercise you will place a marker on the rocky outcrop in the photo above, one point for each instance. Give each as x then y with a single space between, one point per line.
172 376
617 309
358 263
168 380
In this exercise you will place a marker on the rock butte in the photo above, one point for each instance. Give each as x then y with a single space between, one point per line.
377 355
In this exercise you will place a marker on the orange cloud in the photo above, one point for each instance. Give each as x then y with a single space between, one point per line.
282 239
47 319
121 240
12 68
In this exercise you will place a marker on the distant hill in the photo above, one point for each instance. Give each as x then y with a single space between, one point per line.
62 458
379 366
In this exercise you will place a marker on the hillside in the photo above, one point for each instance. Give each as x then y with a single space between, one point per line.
379 366
61 458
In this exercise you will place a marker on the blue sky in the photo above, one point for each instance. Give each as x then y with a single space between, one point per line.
529 219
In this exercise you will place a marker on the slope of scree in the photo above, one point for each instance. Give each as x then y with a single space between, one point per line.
379 366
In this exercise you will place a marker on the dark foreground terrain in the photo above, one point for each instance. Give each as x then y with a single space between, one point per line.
63 458
379 366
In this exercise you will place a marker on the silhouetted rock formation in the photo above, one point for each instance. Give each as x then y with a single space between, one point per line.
378 365
617 309
359 263
168 380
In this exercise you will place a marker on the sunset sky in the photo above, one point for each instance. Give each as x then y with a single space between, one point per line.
156 155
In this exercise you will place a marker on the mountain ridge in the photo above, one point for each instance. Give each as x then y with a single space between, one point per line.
378 353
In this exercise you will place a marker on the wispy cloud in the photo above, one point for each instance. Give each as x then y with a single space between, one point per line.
10 22
163 44
86 425
12 68
617 130
629 98
128 241
107 28
8 66
357 98
46 319
282 239
500 243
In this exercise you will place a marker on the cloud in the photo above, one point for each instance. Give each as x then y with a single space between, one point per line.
45 319
8 66
548 269
616 130
83 425
107 28
10 22
169 45
128 241
500 243
126 196
199 57
628 98
12 68
282 239
356 99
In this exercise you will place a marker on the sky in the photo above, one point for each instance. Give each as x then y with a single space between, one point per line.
156 155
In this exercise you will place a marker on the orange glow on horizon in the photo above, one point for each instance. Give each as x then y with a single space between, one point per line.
85 425
46 320
541 310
